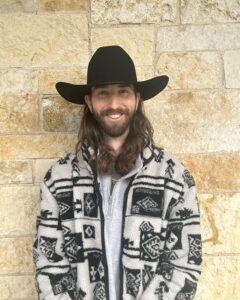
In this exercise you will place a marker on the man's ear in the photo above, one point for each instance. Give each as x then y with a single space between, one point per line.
138 98
88 102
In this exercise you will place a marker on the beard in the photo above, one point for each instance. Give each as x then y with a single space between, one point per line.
116 129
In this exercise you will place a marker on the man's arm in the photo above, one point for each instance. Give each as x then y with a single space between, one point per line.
54 277
180 263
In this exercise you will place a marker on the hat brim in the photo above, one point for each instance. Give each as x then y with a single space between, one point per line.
151 87
75 93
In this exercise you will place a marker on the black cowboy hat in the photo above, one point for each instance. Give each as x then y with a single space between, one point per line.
109 65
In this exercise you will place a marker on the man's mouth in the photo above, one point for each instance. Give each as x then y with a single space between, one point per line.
114 116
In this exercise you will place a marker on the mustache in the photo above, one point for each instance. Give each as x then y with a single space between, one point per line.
111 111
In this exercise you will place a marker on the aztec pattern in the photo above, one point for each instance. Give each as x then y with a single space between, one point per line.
161 242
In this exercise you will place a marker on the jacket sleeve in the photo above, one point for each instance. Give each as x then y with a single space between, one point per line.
54 278
179 266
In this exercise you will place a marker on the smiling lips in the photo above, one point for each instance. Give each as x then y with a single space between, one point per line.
114 116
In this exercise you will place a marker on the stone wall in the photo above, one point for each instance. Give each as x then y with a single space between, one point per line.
197 117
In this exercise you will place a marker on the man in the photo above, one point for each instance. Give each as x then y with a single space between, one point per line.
119 218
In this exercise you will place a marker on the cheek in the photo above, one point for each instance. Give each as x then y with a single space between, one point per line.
94 107
97 105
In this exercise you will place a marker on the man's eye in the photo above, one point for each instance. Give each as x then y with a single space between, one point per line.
102 93
124 91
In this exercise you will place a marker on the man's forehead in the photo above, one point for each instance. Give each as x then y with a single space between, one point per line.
120 85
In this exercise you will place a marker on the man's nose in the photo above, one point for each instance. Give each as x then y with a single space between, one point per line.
114 100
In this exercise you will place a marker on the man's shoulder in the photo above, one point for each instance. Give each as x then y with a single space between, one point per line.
62 168
162 155
169 164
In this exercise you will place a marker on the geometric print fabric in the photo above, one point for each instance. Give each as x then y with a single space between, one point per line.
147 205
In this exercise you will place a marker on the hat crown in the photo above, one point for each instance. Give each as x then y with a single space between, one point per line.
111 64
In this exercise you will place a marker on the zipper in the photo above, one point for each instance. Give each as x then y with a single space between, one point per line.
111 198
99 199
123 225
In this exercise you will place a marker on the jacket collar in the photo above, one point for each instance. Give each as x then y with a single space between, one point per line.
83 157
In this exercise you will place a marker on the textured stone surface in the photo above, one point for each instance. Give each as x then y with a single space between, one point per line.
16 6
43 40
40 168
17 81
18 101
219 279
15 172
211 11
18 209
232 68
191 70
181 38
144 11
48 79
196 122
19 113
16 255
144 73
137 41
220 215
60 115
36 146
65 5
17 287
214 172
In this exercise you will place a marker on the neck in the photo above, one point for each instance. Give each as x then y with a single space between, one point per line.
116 143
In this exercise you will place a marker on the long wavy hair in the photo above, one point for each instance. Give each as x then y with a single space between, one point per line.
140 134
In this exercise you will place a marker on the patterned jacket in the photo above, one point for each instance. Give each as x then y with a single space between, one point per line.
161 240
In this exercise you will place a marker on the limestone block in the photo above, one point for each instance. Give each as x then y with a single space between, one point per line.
19 113
18 82
213 11
18 209
145 11
196 122
15 172
144 73
17 287
191 70
137 41
17 6
44 40
64 5
16 255
202 37
18 101
219 279
41 167
48 78
60 115
214 171
220 217
232 68
36 146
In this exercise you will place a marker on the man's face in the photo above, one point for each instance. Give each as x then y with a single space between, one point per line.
113 107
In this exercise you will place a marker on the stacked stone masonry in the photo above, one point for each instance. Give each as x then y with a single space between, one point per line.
197 118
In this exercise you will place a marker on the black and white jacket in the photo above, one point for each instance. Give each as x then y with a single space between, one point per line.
161 239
